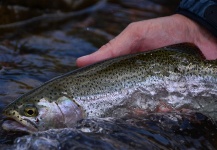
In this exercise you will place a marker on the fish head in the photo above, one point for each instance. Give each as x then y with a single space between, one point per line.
43 114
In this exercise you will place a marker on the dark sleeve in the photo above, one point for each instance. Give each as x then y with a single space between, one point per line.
204 12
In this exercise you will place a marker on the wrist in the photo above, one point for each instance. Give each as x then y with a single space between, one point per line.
201 11
203 24
200 36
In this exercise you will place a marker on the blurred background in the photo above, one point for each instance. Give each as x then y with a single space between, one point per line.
42 39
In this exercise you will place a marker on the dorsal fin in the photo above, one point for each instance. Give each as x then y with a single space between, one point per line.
188 48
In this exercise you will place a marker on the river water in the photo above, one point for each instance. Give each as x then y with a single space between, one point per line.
39 41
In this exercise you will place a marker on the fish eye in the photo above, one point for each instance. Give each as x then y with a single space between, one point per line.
30 111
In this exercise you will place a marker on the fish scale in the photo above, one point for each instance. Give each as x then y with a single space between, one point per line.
175 75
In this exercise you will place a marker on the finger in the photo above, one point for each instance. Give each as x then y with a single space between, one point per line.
120 45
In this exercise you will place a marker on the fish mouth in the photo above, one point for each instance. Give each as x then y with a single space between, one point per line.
10 124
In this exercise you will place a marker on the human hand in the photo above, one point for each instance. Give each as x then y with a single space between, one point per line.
152 34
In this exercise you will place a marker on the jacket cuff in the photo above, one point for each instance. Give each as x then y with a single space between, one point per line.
203 12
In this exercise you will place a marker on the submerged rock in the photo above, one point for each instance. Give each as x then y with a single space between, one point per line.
50 4
18 14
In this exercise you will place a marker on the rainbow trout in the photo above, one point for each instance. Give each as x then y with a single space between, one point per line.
176 76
